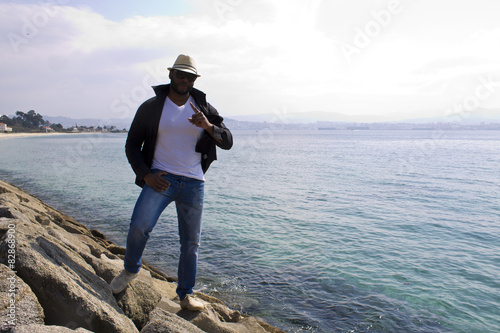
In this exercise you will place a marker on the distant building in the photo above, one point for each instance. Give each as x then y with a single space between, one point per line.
5 128
47 129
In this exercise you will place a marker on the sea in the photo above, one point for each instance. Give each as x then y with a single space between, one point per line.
311 230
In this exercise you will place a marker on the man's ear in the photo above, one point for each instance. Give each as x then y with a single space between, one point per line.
170 74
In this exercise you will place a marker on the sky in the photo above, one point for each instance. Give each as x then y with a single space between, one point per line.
385 58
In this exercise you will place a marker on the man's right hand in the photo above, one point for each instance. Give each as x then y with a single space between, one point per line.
156 181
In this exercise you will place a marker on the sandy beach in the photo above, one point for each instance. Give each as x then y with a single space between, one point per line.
4 136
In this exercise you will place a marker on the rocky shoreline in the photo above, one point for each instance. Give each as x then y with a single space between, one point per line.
55 274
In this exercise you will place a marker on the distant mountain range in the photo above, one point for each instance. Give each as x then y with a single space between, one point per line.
466 118
298 119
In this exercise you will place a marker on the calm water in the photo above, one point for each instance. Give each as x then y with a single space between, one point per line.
315 231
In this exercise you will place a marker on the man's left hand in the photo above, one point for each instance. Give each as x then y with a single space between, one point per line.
198 119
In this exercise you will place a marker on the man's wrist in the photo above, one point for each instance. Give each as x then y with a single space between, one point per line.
209 128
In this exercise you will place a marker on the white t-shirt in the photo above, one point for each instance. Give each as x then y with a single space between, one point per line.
176 142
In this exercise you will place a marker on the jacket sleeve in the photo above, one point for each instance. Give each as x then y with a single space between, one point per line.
134 144
221 132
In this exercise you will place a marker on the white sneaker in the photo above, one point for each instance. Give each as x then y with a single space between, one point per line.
121 281
191 304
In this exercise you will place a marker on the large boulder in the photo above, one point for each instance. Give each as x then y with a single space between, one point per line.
218 318
37 328
48 259
18 304
161 321
139 299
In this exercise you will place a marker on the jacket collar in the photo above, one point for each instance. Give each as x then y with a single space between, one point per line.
163 89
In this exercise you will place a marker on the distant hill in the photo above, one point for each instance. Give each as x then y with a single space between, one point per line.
466 118
305 117
308 120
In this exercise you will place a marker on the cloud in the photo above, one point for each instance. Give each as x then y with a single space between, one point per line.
253 58
82 49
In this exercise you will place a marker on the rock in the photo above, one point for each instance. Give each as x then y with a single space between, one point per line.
207 320
50 261
217 318
116 249
139 299
169 305
43 220
46 329
225 313
5 212
18 304
161 321
166 289
67 287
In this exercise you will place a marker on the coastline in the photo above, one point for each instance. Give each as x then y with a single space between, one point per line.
5 136
55 272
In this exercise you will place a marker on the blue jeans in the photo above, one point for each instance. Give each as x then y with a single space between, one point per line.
188 194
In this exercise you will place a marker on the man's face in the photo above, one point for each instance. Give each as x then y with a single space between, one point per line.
181 82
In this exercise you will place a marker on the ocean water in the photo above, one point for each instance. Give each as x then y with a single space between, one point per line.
314 231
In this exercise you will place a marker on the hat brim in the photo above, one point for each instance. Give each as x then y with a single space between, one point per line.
184 69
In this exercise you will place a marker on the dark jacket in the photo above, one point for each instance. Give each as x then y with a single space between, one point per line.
141 139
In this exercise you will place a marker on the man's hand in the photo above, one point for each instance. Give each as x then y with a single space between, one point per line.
156 181
198 119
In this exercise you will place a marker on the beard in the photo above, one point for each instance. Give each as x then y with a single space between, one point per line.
181 91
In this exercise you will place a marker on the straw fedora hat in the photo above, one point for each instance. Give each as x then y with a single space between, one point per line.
186 64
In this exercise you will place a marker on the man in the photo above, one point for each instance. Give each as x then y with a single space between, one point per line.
170 145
